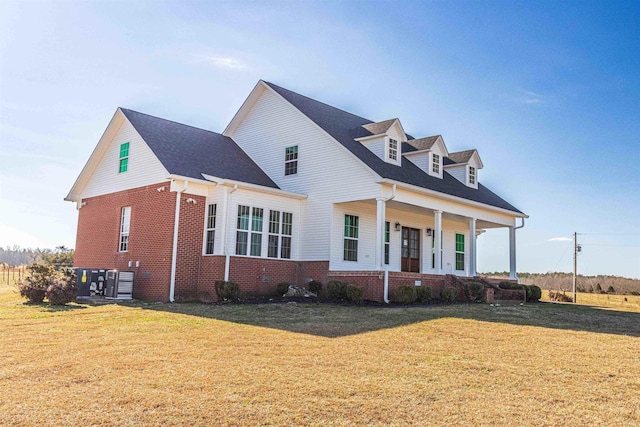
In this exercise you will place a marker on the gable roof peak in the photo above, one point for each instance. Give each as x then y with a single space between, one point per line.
425 143
462 156
378 128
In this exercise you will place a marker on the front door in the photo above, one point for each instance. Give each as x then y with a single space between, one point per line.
410 249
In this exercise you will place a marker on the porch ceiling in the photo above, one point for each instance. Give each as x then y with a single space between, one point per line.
409 208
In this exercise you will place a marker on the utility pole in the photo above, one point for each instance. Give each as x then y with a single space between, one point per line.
575 264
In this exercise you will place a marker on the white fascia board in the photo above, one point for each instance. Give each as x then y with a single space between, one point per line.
370 137
404 134
411 153
443 146
454 165
214 180
478 161
246 106
101 147
457 199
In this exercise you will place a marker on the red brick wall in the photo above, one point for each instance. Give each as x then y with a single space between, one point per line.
190 238
373 281
150 237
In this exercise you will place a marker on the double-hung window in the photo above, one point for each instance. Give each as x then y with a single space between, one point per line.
125 221
435 164
124 157
393 149
387 235
210 228
280 234
351 237
472 175
249 231
459 251
291 160
256 231
242 233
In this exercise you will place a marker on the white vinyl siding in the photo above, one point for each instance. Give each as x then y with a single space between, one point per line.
367 238
458 172
143 167
327 170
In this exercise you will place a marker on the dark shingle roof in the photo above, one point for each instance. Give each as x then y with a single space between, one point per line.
461 156
379 127
344 127
423 143
190 152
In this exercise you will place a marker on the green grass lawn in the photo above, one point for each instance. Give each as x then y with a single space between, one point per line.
321 365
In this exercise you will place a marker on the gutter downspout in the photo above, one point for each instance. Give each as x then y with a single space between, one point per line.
227 257
174 252
386 269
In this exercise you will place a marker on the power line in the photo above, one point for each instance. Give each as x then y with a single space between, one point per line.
609 234
620 246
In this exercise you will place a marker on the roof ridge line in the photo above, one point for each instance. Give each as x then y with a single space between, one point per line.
173 121
321 102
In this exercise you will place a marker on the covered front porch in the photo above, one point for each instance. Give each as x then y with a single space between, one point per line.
412 238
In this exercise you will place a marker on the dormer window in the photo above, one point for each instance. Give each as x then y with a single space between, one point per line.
472 175
435 164
393 149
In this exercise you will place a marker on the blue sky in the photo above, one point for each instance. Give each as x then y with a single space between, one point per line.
548 92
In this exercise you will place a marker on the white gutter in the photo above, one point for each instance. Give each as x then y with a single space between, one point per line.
227 257
385 294
174 253
444 196
229 182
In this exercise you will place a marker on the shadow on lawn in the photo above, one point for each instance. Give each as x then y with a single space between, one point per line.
54 308
330 320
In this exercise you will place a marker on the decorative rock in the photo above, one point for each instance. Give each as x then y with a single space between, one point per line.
298 291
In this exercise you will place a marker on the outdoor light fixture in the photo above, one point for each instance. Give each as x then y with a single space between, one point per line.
398 226
429 231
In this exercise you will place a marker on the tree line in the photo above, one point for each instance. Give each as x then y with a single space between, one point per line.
558 281
16 256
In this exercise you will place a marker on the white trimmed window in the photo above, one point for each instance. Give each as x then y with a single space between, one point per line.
387 240
459 251
125 221
210 229
280 231
393 149
435 163
351 237
291 160
124 157
472 175
249 231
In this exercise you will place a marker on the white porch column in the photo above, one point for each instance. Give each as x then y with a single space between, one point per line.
438 241
380 217
512 254
472 247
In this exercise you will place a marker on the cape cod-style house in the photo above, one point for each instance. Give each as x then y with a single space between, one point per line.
292 190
